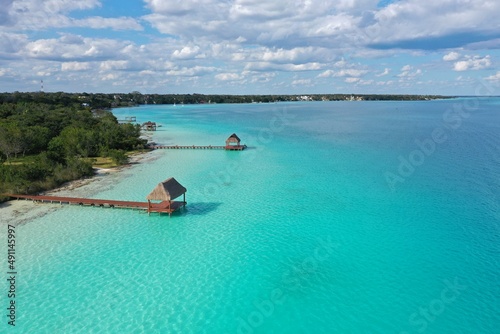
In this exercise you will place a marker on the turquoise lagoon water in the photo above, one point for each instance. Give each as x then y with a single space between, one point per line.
341 217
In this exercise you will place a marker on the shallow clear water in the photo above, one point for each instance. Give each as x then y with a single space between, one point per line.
341 217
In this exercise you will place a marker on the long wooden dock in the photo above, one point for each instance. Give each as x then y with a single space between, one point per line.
163 207
128 119
199 147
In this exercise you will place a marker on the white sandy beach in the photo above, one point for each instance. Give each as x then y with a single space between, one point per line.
21 211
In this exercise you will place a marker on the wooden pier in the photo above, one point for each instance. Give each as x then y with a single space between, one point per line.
128 119
232 144
199 147
163 207
164 193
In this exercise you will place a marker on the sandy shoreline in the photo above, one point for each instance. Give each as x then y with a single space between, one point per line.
20 212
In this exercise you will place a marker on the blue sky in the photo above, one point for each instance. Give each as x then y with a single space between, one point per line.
446 47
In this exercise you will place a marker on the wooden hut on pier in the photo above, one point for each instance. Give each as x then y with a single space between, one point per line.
149 126
166 192
233 140
233 143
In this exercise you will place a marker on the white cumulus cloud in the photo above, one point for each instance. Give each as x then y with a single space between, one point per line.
62 49
75 66
432 24
228 76
406 68
113 65
472 63
301 82
452 56
192 71
270 43
343 73
96 22
350 72
37 15
408 72
494 77
384 73
188 52
352 80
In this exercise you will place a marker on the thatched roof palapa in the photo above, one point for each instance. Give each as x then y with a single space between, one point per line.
167 190
233 139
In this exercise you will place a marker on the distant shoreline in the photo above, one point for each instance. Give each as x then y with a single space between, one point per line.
93 101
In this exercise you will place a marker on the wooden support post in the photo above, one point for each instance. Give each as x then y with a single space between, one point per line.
149 207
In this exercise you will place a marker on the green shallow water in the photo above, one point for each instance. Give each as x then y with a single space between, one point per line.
301 233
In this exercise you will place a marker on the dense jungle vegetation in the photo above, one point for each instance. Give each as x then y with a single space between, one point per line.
49 139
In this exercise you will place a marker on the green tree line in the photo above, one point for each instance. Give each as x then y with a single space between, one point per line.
97 101
44 144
